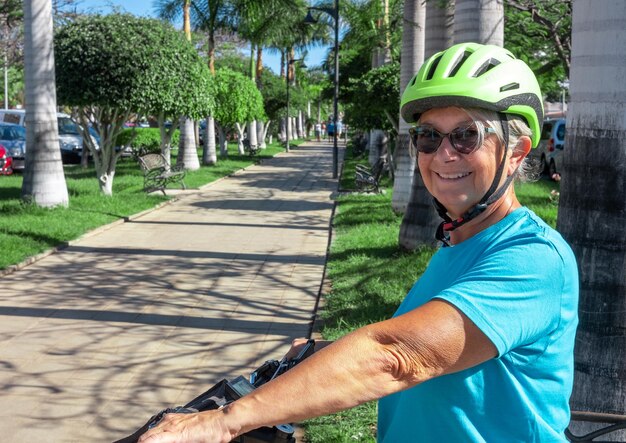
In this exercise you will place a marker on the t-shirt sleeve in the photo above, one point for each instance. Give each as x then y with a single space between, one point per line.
512 294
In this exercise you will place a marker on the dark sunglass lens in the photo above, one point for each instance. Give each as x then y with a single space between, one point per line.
465 140
428 140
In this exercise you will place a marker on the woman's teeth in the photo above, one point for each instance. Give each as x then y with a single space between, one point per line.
453 176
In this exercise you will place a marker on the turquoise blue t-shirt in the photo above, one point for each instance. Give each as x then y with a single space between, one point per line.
518 282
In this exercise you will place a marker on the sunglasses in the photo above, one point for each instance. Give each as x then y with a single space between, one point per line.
464 140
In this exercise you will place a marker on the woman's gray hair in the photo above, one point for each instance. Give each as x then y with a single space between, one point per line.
528 170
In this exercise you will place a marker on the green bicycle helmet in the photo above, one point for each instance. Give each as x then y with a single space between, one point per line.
477 76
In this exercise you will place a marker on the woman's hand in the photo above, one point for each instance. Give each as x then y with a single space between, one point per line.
202 427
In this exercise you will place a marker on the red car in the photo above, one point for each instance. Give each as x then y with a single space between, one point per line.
6 162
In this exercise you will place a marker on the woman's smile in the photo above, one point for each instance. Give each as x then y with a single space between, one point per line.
452 176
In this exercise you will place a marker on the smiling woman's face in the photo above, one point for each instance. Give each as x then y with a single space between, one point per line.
458 181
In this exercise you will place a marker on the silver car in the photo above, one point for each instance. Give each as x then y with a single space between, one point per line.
13 138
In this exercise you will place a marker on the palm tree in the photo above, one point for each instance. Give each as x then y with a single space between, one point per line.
592 207
439 28
264 23
411 59
480 21
170 10
44 182
420 219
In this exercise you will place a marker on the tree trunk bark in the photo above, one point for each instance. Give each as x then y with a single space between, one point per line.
209 154
592 207
420 218
411 59
440 30
252 134
283 129
260 134
187 153
44 180
480 21
265 131
300 125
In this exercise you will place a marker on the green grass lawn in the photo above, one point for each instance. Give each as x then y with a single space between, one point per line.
370 276
27 230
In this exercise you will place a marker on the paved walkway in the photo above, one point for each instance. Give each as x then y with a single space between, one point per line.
149 313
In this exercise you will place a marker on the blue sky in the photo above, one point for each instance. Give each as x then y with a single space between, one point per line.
145 8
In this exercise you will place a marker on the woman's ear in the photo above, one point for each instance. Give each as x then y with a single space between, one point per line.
520 151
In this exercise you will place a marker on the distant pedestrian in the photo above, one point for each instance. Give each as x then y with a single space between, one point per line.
318 131
331 130
339 129
324 130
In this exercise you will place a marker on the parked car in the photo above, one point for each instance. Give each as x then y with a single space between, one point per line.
6 162
13 139
549 152
15 116
70 138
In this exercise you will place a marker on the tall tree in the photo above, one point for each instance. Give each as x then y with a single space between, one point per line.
480 21
592 206
44 181
420 220
128 65
440 26
412 57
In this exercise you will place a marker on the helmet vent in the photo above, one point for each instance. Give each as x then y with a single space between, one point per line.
433 67
458 63
509 87
487 66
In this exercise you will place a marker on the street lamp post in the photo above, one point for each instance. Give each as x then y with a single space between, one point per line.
334 13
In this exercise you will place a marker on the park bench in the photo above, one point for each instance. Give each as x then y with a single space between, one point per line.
158 174
251 150
368 179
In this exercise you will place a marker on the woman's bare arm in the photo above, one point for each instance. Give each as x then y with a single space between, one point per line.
367 364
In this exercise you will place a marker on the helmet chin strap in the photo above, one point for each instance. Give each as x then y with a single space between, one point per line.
492 195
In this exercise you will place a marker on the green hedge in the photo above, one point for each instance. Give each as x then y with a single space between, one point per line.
144 140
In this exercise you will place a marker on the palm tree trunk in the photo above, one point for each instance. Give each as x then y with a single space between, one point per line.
187 153
209 153
592 207
259 65
252 134
440 30
411 59
420 218
260 134
480 21
44 181
187 19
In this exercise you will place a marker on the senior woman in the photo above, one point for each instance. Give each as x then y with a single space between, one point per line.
481 349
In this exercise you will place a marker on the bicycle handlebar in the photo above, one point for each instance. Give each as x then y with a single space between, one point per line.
226 391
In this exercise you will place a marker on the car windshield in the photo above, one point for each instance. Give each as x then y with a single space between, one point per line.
12 133
67 126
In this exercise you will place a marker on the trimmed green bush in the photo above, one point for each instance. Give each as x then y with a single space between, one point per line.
143 140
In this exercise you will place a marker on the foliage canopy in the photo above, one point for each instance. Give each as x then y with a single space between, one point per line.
237 98
139 64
